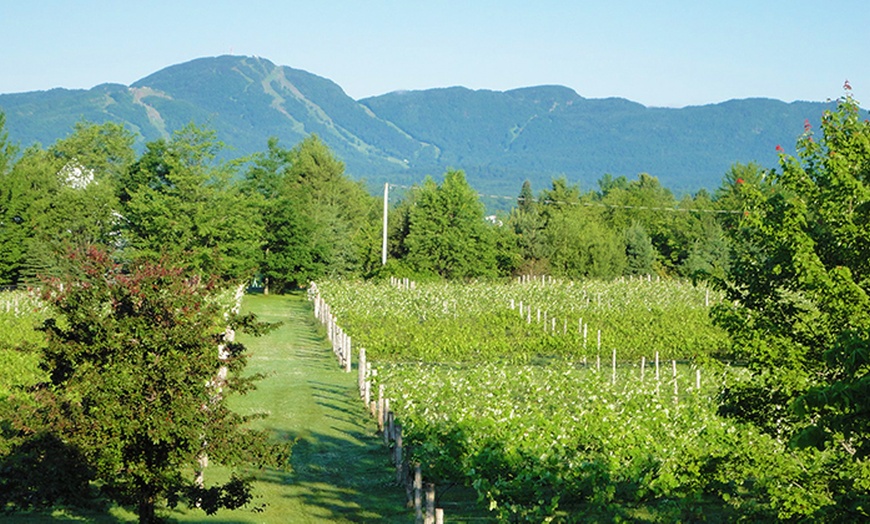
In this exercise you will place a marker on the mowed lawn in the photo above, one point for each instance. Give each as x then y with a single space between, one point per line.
339 470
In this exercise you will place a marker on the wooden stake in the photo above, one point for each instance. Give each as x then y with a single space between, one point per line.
418 494
613 379
430 503
361 378
380 408
398 460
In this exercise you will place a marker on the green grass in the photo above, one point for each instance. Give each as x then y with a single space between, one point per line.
339 470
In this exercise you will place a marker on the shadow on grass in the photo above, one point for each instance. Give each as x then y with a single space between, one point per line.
60 516
343 478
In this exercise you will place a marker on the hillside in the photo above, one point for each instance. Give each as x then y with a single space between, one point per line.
498 138
552 130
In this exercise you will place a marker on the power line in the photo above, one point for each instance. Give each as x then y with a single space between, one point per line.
598 204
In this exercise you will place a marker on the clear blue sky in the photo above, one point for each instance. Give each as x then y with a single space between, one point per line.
659 53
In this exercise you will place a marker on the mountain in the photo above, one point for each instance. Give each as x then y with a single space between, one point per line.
498 138
552 130
245 100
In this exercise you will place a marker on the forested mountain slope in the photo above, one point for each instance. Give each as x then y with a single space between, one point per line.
498 138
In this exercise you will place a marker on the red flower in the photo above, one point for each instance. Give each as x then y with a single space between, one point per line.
807 125
739 180
779 148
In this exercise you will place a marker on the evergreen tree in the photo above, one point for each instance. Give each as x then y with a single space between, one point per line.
448 234
338 207
8 150
639 251
527 225
317 221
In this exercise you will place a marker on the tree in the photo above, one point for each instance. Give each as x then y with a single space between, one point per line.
580 245
176 199
528 224
639 251
62 197
644 201
709 255
798 309
317 221
8 150
447 232
132 359
339 207
573 239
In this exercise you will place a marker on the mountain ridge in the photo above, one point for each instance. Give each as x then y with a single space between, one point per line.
500 138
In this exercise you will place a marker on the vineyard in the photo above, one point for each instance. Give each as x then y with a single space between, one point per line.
20 313
509 390
457 322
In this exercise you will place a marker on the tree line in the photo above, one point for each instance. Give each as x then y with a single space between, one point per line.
290 216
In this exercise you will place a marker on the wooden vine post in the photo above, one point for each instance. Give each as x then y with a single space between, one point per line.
418 494
430 503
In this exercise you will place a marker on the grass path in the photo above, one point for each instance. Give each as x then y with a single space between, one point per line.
340 469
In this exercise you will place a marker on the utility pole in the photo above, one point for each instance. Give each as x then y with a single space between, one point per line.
386 209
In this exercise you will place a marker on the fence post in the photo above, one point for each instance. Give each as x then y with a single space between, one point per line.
380 408
361 380
418 494
399 461
430 503
613 379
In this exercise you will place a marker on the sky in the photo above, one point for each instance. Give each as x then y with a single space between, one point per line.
664 53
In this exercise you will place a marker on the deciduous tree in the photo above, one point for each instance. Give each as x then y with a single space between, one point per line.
799 310
132 359
177 199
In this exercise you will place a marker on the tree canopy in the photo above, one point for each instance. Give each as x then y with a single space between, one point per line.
133 360
799 311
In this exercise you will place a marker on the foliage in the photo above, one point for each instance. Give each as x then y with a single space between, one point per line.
8 150
561 442
317 221
176 200
471 322
639 251
798 288
134 384
447 234
61 197
20 315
